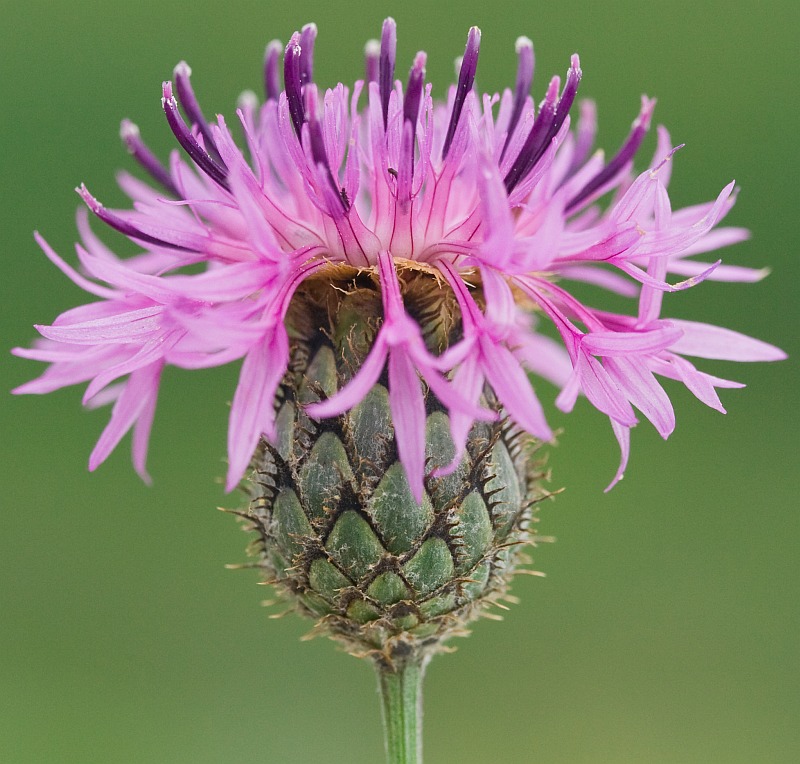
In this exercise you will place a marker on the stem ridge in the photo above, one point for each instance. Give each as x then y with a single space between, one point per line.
400 687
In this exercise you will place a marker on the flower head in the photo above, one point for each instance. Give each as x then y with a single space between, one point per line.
500 202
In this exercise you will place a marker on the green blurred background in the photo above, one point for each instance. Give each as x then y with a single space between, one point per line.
666 630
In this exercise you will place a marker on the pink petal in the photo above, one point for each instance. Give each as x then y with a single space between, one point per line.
514 389
707 341
252 411
134 399
408 416
643 391
357 388
129 326
623 435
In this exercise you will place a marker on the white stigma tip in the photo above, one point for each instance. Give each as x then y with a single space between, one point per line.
128 129
523 42
247 100
372 48
182 68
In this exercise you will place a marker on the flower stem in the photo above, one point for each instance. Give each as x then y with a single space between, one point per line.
400 686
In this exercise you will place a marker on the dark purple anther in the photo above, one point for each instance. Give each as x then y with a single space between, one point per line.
567 95
308 35
466 79
525 65
146 158
416 79
118 224
551 118
188 100
217 171
372 55
272 80
627 151
292 82
386 64
536 138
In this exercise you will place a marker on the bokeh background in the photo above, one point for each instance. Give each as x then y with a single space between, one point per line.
667 628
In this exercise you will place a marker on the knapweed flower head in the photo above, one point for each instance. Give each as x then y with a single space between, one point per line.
491 202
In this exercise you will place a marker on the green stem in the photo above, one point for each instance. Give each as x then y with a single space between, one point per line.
401 695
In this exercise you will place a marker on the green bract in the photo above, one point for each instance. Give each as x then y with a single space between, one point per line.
340 533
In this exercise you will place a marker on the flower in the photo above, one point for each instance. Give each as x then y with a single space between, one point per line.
497 201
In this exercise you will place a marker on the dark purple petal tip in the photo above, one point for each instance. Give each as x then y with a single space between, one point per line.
308 35
217 171
386 64
466 79
191 107
416 81
129 133
292 82
525 64
117 223
625 154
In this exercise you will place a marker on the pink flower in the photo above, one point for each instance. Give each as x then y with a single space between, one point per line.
481 190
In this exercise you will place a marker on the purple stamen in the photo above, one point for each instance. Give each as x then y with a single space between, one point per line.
554 113
191 107
567 96
386 64
416 79
292 82
272 82
525 66
145 157
372 55
123 226
537 136
466 79
217 171
627 151
308 34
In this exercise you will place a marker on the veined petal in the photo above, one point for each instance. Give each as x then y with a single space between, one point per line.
707 341
127 326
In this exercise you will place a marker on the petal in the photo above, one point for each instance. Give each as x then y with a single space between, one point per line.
602 391
642 389
708 341
623 435
134 399
408 416
357 388
513 388
252 411
128 326
469 380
